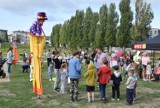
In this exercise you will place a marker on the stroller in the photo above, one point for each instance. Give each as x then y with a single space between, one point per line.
2 73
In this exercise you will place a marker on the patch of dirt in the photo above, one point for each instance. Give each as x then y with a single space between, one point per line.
54 102
6 93
148 90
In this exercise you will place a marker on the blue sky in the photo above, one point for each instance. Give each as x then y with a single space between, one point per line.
20 14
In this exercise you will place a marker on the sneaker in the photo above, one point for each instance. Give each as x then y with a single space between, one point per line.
112 99
71 101
55 90
104 100
134 99
118 99
152 79
144 79
93 100
89 101
50 79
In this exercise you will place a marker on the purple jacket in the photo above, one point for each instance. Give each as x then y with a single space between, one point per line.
36 28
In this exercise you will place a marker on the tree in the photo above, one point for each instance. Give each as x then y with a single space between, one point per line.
112 21
144 17
79 18
93 30
70 31
55 35
6 37
102 27
87 27
63 33
123 38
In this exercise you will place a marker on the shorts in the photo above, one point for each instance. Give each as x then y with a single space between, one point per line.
144 66
90 88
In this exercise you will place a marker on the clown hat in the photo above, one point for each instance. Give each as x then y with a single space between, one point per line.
41 16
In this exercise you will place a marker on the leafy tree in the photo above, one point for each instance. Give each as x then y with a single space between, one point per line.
87 27
144 17
63 33
55 35
102 27
70 31
112 21
79 18
124 29
93 30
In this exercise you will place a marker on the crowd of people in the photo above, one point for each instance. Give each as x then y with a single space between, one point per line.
101 68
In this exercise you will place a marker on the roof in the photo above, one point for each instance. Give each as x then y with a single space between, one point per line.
150 44
3 30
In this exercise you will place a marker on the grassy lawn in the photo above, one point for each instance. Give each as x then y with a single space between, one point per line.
18 94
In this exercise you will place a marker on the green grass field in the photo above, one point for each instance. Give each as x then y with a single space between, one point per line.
18 94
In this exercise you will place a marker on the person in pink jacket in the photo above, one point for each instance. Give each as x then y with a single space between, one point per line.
145 60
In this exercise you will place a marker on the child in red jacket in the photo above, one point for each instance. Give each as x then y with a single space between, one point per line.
104 74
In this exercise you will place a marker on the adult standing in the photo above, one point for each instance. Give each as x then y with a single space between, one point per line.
57 63
74 75
100 56
137 60
128 57
49 56
15 51
145 60
9 60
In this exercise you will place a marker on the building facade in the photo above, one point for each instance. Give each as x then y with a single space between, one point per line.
3 34
21 37
154 32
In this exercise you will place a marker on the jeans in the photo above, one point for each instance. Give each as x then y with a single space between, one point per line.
58 78
63 86
50 70
115 89
129 95
9 67
74 89
102 88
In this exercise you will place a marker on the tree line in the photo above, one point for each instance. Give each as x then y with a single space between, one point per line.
106 27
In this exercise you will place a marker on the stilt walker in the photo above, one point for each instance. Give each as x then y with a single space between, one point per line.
37 42
15 51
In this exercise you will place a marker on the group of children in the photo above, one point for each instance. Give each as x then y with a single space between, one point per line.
106 76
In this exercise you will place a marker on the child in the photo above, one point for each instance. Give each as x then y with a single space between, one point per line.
104 74
116 79
148 71
25 67
31 66
63 77
121 63
90 81
50 70
130 87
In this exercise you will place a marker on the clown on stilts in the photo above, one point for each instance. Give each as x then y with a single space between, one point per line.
15 51
37 42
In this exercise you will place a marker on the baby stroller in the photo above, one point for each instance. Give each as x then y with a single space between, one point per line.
2 73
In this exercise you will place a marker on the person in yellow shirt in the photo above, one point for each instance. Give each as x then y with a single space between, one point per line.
91 76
